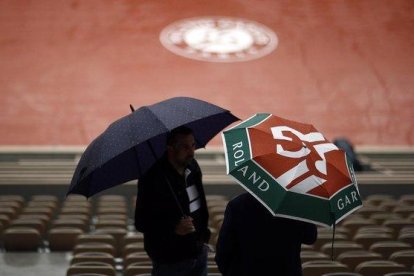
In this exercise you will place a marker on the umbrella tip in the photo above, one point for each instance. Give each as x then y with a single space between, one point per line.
132 108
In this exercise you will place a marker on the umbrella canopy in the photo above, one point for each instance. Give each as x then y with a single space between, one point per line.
132 144
292 169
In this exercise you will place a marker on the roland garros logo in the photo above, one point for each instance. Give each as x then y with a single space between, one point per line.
219 39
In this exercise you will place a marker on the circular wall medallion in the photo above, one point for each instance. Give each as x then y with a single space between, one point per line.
219 39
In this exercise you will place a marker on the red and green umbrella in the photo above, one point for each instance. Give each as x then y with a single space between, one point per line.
292 169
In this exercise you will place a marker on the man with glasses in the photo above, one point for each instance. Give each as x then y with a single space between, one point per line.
171 210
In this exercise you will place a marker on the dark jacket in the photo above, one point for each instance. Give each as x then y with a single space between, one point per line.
157 213
253 242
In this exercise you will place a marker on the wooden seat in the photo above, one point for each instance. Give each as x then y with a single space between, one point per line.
136 269
407 199
105 223
44 198
76 198
326 238
367 211
386 248
111 198
34 223
404 211
307 256
405 273
131 238
397 224
47 204
317 268
100 238
112 211
376 229
17 206
94 247
82 217
21 239
379 267
132 248
121 217
10 212
407 238
367 239
379 218
342 274
405 257
91 267
340 247
377 199
136 257
48 211
75 210
63 239
354 224
354 258
116 232
71 223
93 257
17 198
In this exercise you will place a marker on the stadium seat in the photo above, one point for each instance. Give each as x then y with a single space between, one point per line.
16 198
93 257
405 273
307 256
379 267
95 237
377 199
137 268
397 224
132 237
367 239
354 258
105 223
405 257
132 248
341 274
407 238
317 268
17 206
34 223
376 229
324 238
136 257
116 232
386 248
354 224
94 247
91 267
63 239
21 239
379 218
71 223
406 199
404 211
340 247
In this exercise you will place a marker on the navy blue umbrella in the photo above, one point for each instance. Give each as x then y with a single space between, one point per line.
132 144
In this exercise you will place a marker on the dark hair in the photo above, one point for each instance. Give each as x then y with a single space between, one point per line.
181 130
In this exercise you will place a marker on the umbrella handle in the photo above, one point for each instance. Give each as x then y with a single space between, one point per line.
175 197
333 236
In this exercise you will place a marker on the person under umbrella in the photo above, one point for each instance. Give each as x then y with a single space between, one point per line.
171 210
254 242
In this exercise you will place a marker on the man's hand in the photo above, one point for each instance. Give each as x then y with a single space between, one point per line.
185 226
